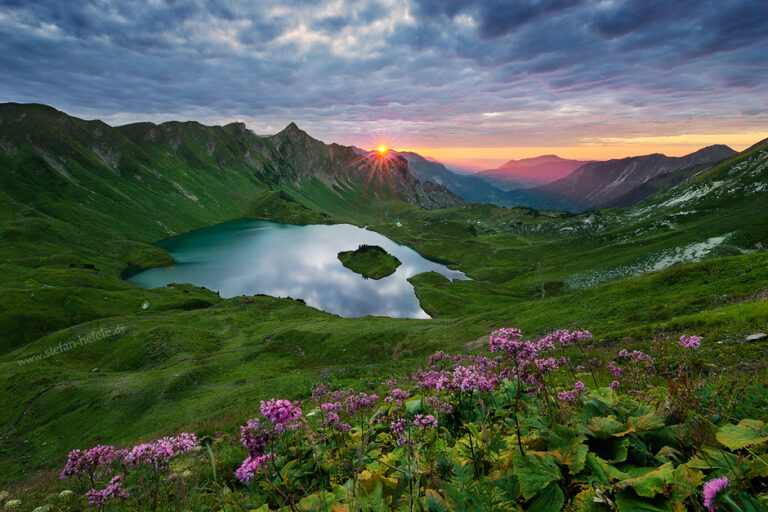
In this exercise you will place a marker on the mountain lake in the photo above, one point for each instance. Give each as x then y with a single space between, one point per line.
249 257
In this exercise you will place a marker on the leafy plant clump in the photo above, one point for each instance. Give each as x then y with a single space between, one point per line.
536 425
371 261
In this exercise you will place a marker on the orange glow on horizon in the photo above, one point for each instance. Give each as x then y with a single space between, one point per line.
476 158
382 149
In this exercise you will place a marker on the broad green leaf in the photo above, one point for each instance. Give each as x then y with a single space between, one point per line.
746 433
599 471
567 446
413 406
603 427
627 501
668 453
315 502
535 471
551 499
589 500
686 482
710 458
644 423
651 483
510 485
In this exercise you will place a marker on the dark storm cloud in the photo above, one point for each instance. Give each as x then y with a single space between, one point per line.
333 65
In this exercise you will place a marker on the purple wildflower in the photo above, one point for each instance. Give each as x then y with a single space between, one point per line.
255 438
438 404
615 370
252 466
712 491
615 385
321 391
574 394
360 401
82 462
425 421
112 491
280 412
398 426
690 341
158 453
636 356
398 396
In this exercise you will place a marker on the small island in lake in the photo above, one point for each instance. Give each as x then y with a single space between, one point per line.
371 261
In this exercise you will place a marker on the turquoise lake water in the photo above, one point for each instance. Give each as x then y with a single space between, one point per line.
249 257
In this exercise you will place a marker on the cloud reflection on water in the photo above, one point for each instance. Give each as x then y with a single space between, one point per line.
248 257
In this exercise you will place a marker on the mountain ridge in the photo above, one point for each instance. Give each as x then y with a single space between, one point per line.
598 183
530 172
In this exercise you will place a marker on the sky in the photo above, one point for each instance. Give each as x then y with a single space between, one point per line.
472 83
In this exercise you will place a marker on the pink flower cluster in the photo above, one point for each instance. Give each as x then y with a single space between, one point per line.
439 356
636 356
112 491
574 394
398 396
280 412
159 452
615 370
712 491
550 364
332 419
439 405
83 462
359 402
462 378
253 437
321 390
505 339
425 421
690 341
398 426
565 338
252 466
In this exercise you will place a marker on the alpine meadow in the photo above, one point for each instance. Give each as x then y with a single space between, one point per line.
384 256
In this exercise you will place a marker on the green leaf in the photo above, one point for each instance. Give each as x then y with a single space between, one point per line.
510 485
589 500
746 433
551 499
603 427
473 430
652 482
598 470
629 502
709 458
643 423
567 446
535 471
413 406
316 501
686 481
435 502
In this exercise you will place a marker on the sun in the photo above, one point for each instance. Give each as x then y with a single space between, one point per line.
382 149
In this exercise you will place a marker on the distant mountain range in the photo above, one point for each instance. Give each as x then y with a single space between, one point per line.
530 172
619 182
549 182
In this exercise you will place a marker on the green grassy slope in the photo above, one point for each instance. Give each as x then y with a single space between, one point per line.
191 359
